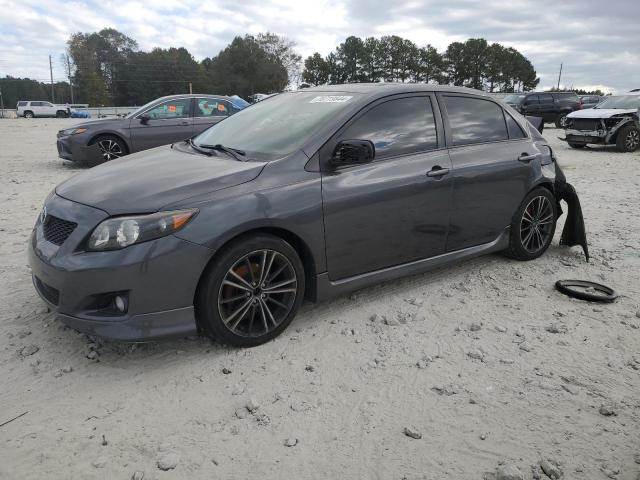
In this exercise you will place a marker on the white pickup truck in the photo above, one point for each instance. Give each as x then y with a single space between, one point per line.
29 109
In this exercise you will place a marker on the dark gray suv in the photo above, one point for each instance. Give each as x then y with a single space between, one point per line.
160 122
308 194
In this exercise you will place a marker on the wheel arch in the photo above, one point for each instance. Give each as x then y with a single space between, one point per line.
299 245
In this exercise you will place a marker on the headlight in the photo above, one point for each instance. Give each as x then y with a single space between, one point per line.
72 131
120 232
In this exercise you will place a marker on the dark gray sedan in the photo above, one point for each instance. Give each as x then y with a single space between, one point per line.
308 194
160 122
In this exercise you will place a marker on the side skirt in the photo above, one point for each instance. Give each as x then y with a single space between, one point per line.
327 289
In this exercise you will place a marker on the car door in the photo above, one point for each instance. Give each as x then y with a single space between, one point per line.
47 109
548 107
489 153
209 111
167 122
531 106
36 108
390 211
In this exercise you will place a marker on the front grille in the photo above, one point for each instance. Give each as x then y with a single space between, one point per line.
49 293
57 230
586 124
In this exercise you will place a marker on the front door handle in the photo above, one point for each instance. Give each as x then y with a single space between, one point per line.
437 171
525 157
184 123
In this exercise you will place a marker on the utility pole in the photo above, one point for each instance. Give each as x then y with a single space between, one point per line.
69 76
190 88
1 103
559 76
53 99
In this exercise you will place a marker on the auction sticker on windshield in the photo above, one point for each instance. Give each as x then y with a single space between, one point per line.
331 99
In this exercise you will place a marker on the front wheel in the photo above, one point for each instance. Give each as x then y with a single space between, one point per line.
533 225
561 120
251 292
111 147
628 139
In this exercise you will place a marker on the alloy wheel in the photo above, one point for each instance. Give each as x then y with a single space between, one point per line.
257 293
633 140
110 149
564 121
536 225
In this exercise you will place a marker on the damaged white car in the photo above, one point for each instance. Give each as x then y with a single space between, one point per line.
614 121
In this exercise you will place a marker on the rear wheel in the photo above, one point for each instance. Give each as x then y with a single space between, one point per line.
251 292
577 145
533 225
628 139
28 114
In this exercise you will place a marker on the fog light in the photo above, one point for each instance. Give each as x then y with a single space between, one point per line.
120 303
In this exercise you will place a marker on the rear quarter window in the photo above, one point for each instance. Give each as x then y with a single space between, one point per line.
22 104
475 120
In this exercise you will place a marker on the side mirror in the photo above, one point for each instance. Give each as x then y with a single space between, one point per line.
353 152
144 119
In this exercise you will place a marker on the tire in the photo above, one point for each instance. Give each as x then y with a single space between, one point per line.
29 114
241 317
577 145
111 147
628 139
61 114
560 120
524 243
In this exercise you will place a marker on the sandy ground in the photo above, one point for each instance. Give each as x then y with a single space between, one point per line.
476 369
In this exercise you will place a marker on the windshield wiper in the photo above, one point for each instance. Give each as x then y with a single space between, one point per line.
197 148
234 152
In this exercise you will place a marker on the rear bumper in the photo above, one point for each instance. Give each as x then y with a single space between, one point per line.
158 279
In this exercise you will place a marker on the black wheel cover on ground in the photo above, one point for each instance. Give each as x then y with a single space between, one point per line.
606 294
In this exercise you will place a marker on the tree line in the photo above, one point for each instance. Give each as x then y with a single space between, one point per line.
474 63
108 68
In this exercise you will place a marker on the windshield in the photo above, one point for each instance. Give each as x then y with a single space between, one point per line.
278 125
622 101
513 98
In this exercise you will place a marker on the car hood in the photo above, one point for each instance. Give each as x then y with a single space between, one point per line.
104 122
148 181
601 112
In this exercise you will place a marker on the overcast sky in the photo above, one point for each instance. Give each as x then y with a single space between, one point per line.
598 42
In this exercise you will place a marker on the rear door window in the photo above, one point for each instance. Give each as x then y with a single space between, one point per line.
475 120
397 127
212 107
545 98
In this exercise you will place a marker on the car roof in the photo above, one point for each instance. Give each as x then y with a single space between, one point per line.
193 95
391 88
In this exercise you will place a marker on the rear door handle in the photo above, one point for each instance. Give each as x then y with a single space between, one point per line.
437 171
185 123
525 157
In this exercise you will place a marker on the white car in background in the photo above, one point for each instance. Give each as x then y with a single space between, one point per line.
32 109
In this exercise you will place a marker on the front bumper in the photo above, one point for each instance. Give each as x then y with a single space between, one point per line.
158 278
583 137
74 148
